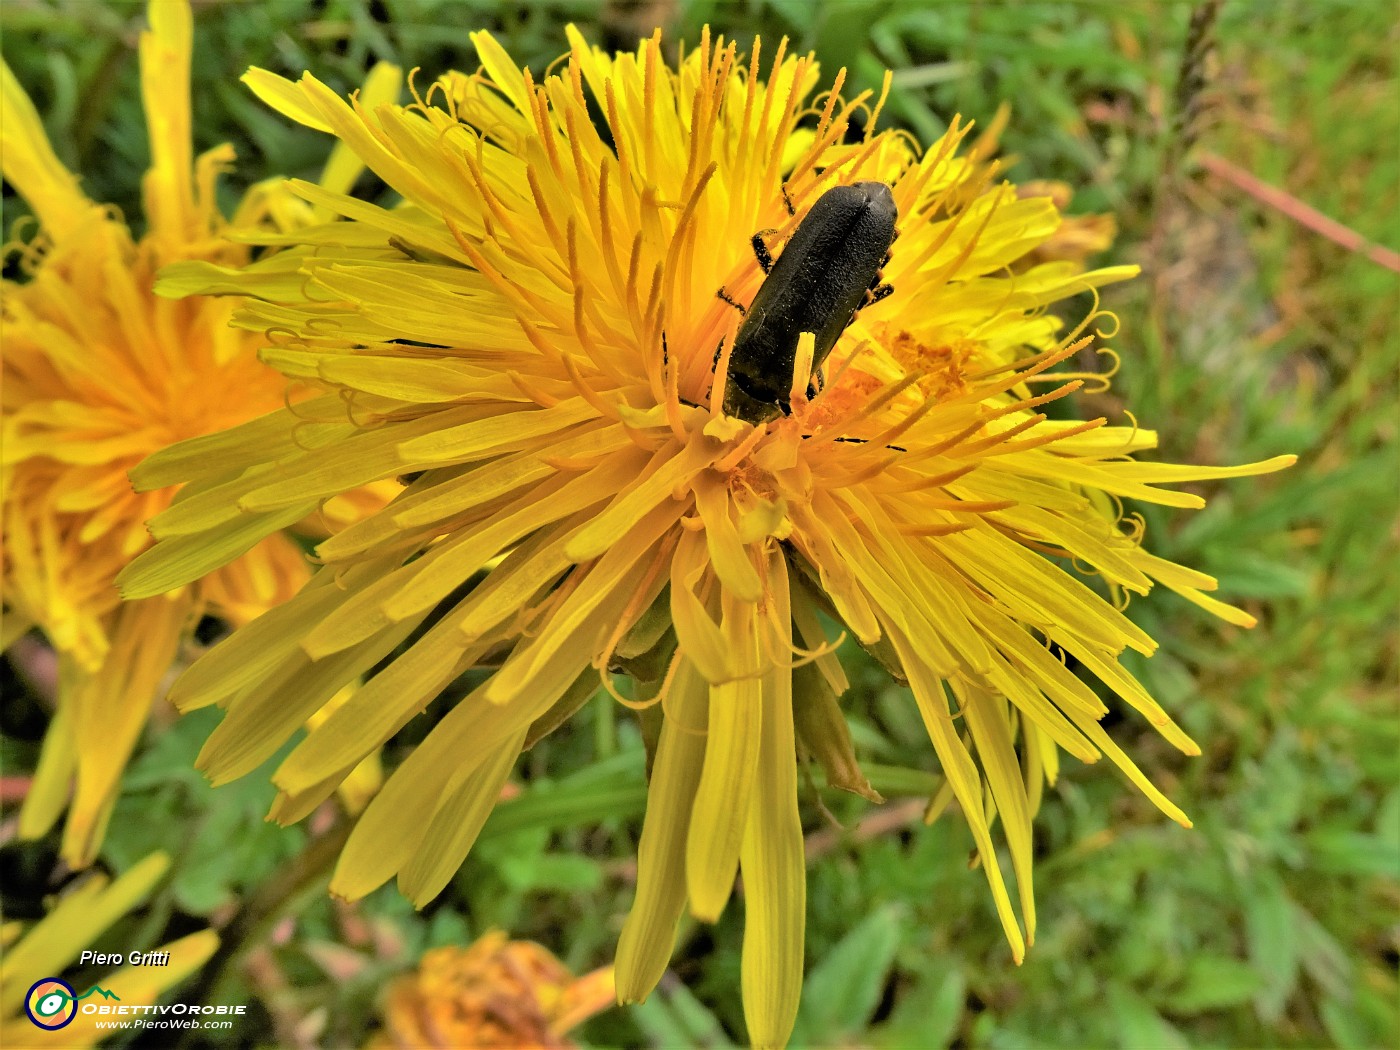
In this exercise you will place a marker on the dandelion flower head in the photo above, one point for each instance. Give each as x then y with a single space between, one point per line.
532 337
100 373
514 995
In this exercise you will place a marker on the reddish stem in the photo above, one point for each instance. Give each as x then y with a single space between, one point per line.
1303 214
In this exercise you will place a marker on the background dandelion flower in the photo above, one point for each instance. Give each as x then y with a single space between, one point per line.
533 336
99 374
493 993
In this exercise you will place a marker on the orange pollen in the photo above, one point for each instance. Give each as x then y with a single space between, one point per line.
943 365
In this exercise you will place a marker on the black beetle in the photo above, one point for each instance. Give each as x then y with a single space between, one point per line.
831 268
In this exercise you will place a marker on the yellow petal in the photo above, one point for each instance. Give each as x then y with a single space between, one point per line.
648 935
53 779
284 96
110 710
396 821
719 811
381 87
165 90
666 471
183 559
989 720
31 166
774 866
456 825
962 776
262 718
728 554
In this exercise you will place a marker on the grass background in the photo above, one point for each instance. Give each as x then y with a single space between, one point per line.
1273 923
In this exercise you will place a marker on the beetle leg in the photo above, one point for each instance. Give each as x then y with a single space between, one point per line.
760 250
875 282
722 294
883 291
788 201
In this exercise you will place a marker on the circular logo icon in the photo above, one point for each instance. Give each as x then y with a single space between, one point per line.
51 1004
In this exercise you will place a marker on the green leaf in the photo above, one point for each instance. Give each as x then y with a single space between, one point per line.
844 989
613 788
551 871
1139 1025
845 27
1245 575
1325 960
219 837
928 1015
270 133
1272 936
899 780
446 927
1215 983
1338 851
672 1016
1365 1020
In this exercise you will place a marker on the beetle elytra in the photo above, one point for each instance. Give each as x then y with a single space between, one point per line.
831 268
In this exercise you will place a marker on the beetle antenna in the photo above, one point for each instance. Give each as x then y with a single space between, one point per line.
722 294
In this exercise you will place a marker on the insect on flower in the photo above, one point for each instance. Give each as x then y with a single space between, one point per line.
543 355
831 268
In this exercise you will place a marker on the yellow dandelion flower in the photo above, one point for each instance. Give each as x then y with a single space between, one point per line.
99 374
532 336
1076 237
33 957
496 993
1079 236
